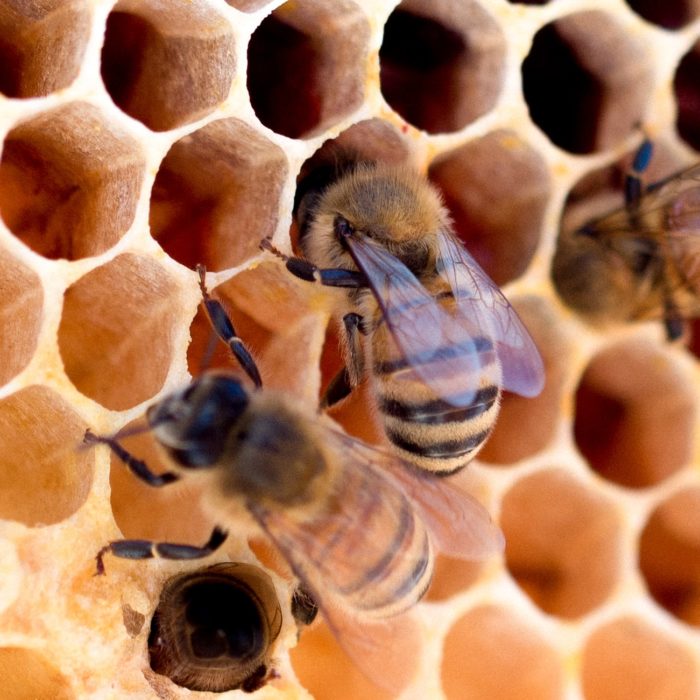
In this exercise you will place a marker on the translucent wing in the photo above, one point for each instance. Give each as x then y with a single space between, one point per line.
490 313
437 350
366 558
459 525
670 204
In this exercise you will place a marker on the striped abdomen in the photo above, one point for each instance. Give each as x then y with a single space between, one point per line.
436 433
367 544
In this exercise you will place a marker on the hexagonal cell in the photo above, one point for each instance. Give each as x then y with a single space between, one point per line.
69 182
635 414
216 195
27 674
306 65
506 659
442 63
629 659
45 476
41 45
167 64
20 309
115 335
563 542
319 662
669 555
496 189
669 15
687 92
587 81
526 426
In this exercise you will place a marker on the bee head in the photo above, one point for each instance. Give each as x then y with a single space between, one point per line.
192 424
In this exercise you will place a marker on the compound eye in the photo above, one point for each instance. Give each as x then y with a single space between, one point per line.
343 228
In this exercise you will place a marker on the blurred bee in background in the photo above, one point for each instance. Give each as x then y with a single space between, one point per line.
357 526
640 261
214 628
418 315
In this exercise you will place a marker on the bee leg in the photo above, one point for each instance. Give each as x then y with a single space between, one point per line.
633 180
329 277
136 466
304 607
338 389
350 376
147 549
222 325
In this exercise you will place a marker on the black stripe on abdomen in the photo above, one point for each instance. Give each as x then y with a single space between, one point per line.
439 411
447 352
446 449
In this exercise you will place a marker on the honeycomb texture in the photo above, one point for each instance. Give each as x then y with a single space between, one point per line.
140 138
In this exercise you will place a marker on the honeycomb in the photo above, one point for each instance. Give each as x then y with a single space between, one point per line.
142 137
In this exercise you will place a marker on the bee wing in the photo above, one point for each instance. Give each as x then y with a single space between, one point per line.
357 561
436 348
483 303
459 525
386 650
676 199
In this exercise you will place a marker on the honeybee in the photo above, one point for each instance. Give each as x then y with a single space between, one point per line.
418 315
640 261
214 628
352 521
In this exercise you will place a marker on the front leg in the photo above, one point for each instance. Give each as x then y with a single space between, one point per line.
223 327
136 466
633 179
329 277
147 549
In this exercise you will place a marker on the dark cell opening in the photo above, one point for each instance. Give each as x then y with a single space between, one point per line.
671 14
283 78
563 97
686 86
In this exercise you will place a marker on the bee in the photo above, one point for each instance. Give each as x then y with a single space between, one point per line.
214 628
357 526
418 315
640 261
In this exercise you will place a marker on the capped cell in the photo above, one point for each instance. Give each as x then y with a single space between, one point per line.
45 477
217 195
587 81
564 543
442 63
307 66
69 182
21 302
491 653
167 63
115 335
631 659
42 45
